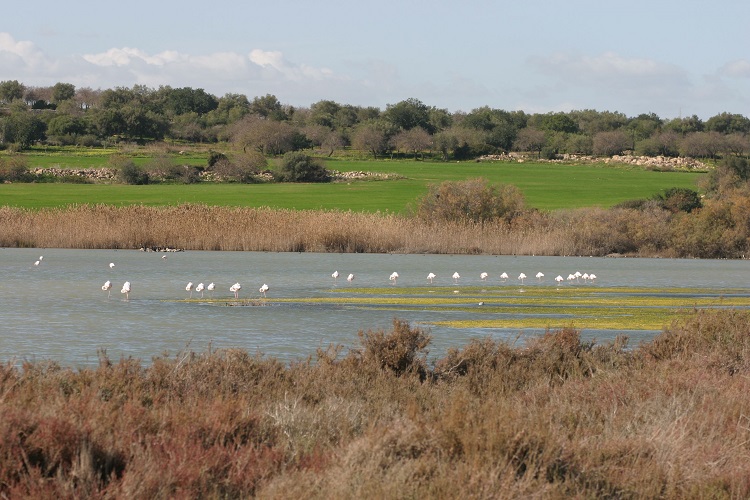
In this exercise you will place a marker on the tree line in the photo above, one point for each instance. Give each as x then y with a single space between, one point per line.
65 115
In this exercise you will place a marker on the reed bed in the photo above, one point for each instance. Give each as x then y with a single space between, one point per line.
556 418
199 227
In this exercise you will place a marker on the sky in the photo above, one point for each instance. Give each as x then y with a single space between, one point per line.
675 58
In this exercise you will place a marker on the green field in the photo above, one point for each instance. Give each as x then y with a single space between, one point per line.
546 186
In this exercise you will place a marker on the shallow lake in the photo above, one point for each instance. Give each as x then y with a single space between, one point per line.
57 310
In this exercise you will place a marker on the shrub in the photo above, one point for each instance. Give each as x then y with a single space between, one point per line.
402 350
15 169
679 200
473 200
299 167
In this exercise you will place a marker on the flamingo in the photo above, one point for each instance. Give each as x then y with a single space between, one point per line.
456 276
199 288
235 289
577 275
504 277
37 262
189 288
106 287
483 276
559 279
126 290
539 275
210 288
393 277
521 277
350 278
335 275
571 277
592 277
263 289
111 265
431 277
585 277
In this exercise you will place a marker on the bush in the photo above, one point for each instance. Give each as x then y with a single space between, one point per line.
401 350
129 172
15 169
474 200
299 167
679 200
243 168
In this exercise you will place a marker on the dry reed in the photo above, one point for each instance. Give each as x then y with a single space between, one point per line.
199 227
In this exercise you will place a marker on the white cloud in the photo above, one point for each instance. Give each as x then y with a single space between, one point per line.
22 54
609 67
736 69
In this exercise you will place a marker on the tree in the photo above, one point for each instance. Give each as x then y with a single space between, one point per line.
268 106
267 136
63 92
22 128
415 140
559 122
408 114
188 100
11 90
529 139
702 144
611 143
727 123
684 126
370 137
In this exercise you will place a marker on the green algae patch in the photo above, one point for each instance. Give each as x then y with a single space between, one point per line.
539 306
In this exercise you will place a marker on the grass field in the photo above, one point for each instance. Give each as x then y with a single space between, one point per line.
546 186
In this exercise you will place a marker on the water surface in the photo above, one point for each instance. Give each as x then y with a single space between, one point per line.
56 310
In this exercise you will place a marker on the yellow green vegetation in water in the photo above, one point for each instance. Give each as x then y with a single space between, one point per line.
600 308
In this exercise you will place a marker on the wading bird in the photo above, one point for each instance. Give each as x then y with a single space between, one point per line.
521 277
431 277
111 265
210 288
559 279
456 277
393 277
189 288
199 288
504 277
126 290
592 277
483 276
350 278
539 275
263 289
235 289
335 275
106 287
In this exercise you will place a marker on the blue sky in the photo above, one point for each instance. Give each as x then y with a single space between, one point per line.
673 58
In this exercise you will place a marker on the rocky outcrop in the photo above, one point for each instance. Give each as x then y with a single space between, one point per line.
91 174
649 162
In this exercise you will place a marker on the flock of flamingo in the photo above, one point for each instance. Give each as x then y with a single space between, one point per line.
235 289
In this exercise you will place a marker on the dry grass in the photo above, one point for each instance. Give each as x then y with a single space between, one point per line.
198 227
557 418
